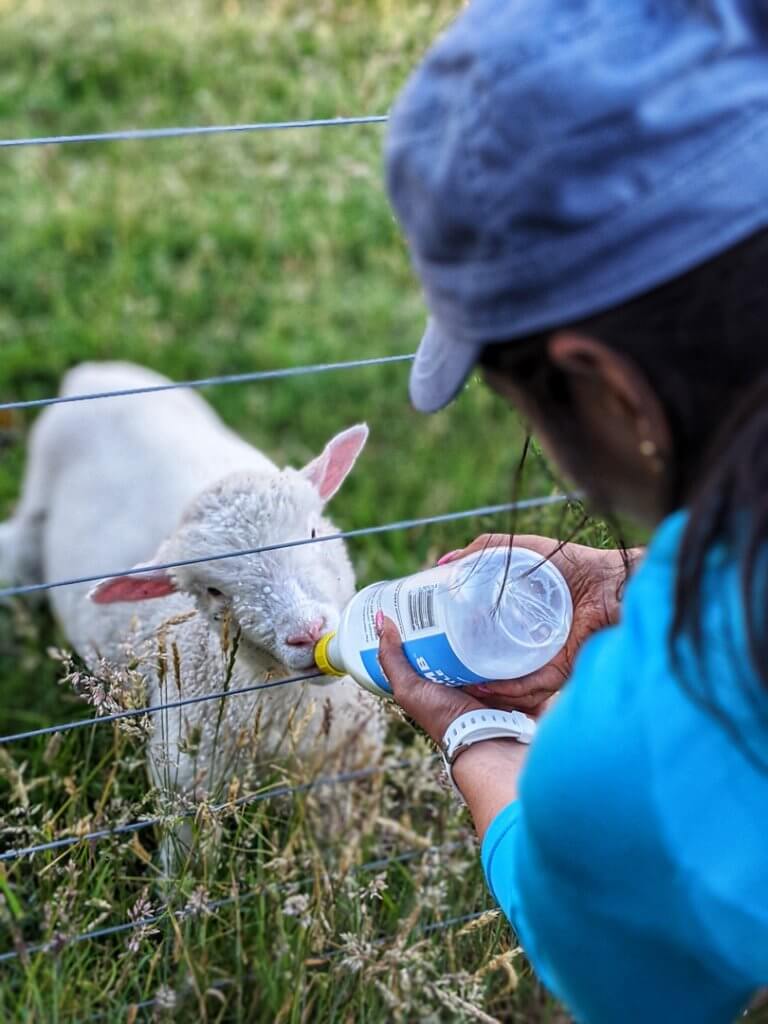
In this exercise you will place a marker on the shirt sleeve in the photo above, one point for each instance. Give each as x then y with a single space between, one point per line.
498 858
498 845
577 865
499 839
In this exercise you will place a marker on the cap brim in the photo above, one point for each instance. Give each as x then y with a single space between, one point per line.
440 369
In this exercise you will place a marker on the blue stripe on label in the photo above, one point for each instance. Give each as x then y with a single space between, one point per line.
431 656
434 658
373 668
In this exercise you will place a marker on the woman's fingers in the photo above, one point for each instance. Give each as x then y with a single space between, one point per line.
525 694
433 706
393 661
485 540
594 576
452 556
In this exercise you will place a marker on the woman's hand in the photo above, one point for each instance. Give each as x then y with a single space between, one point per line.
487 773
594 578
433 706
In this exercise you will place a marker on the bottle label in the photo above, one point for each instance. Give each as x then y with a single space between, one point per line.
425 643
440 626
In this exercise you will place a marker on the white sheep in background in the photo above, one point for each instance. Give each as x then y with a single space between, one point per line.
159 478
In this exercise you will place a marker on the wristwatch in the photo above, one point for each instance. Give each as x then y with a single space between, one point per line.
476 726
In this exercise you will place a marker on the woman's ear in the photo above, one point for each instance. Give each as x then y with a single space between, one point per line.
600 373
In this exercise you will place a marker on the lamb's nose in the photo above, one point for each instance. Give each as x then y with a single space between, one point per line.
309 635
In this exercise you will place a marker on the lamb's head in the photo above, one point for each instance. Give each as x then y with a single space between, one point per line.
280 600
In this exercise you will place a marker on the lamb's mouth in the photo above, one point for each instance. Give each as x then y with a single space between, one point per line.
302 663
281 663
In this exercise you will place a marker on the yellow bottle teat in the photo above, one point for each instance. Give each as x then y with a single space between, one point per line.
321 656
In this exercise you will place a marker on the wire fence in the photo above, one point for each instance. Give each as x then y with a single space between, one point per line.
153 709
55 945
65 842
23 950
364 531
138 134
206 382
131 1010
219 695
170 819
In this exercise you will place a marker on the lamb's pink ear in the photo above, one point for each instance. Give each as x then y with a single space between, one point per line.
141 587
330 469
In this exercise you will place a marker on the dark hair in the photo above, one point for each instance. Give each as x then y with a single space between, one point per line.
701 341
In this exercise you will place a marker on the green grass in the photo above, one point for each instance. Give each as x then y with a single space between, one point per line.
223 255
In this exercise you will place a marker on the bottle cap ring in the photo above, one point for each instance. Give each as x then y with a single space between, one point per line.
321 656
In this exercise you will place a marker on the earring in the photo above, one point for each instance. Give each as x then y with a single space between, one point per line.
649 451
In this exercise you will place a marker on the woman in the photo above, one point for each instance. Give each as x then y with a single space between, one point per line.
584 189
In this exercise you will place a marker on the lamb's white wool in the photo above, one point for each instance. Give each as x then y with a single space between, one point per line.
159 478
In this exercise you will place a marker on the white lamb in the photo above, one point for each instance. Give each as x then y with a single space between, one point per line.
159 478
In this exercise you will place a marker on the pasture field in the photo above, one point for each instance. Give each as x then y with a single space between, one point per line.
225 255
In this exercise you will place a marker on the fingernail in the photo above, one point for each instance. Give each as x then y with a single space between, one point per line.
450 556
379 623
482 688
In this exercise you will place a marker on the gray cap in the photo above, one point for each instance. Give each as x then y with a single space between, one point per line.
553 158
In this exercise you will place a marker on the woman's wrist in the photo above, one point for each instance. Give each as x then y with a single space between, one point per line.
487 774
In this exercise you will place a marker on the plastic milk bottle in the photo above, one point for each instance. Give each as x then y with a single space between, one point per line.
495 614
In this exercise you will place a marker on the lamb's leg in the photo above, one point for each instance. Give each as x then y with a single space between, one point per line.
176 847
174 772
9 543
176 840
21 536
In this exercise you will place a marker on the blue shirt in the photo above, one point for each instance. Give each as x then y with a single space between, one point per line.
634 866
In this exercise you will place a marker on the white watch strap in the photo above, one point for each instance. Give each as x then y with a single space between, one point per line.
475 726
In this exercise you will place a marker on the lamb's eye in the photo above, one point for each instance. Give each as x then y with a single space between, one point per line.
214 592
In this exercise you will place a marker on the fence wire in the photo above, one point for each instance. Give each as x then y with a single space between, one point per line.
224 983
58 943
205 382
220 695
136 134
153 709
274 793
280 790
364 531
